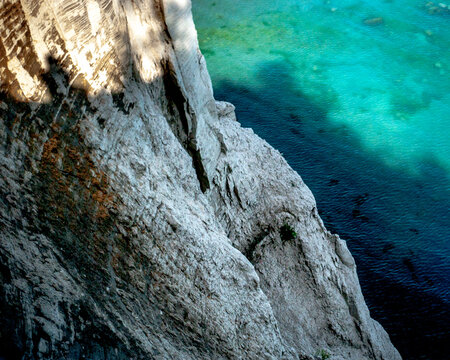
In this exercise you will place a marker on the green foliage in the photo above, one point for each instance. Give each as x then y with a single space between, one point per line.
323 354
287 232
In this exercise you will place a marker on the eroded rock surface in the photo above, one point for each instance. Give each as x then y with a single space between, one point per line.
137 218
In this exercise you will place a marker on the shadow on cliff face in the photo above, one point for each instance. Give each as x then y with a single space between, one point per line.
369 204
57 203
55 189
51 185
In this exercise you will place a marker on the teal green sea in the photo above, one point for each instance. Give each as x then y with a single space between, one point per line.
356 95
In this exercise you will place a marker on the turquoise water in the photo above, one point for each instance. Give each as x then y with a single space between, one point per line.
356 95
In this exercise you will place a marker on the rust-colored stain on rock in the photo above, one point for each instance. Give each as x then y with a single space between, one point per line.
68 167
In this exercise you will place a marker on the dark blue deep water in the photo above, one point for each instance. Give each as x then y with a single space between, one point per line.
356 95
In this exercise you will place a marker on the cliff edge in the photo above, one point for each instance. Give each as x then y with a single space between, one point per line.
138 220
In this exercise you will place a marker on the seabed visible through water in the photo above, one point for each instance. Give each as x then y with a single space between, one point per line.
356 95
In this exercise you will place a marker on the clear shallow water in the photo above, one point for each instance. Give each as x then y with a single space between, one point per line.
362 112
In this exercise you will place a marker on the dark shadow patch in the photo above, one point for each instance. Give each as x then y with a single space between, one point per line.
341 172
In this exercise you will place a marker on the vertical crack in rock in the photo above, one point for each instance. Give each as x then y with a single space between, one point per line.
183 122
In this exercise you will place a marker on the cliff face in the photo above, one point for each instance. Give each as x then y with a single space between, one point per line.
137 219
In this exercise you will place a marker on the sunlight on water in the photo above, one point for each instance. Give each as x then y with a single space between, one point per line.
390 80
356 94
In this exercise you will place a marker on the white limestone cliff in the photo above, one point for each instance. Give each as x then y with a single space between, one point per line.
137 218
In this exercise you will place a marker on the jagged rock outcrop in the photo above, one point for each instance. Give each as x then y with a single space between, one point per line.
137 219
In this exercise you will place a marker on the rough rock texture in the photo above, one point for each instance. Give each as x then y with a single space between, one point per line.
137 219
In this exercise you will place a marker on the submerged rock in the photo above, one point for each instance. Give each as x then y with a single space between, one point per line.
128 198
437 8
374 21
